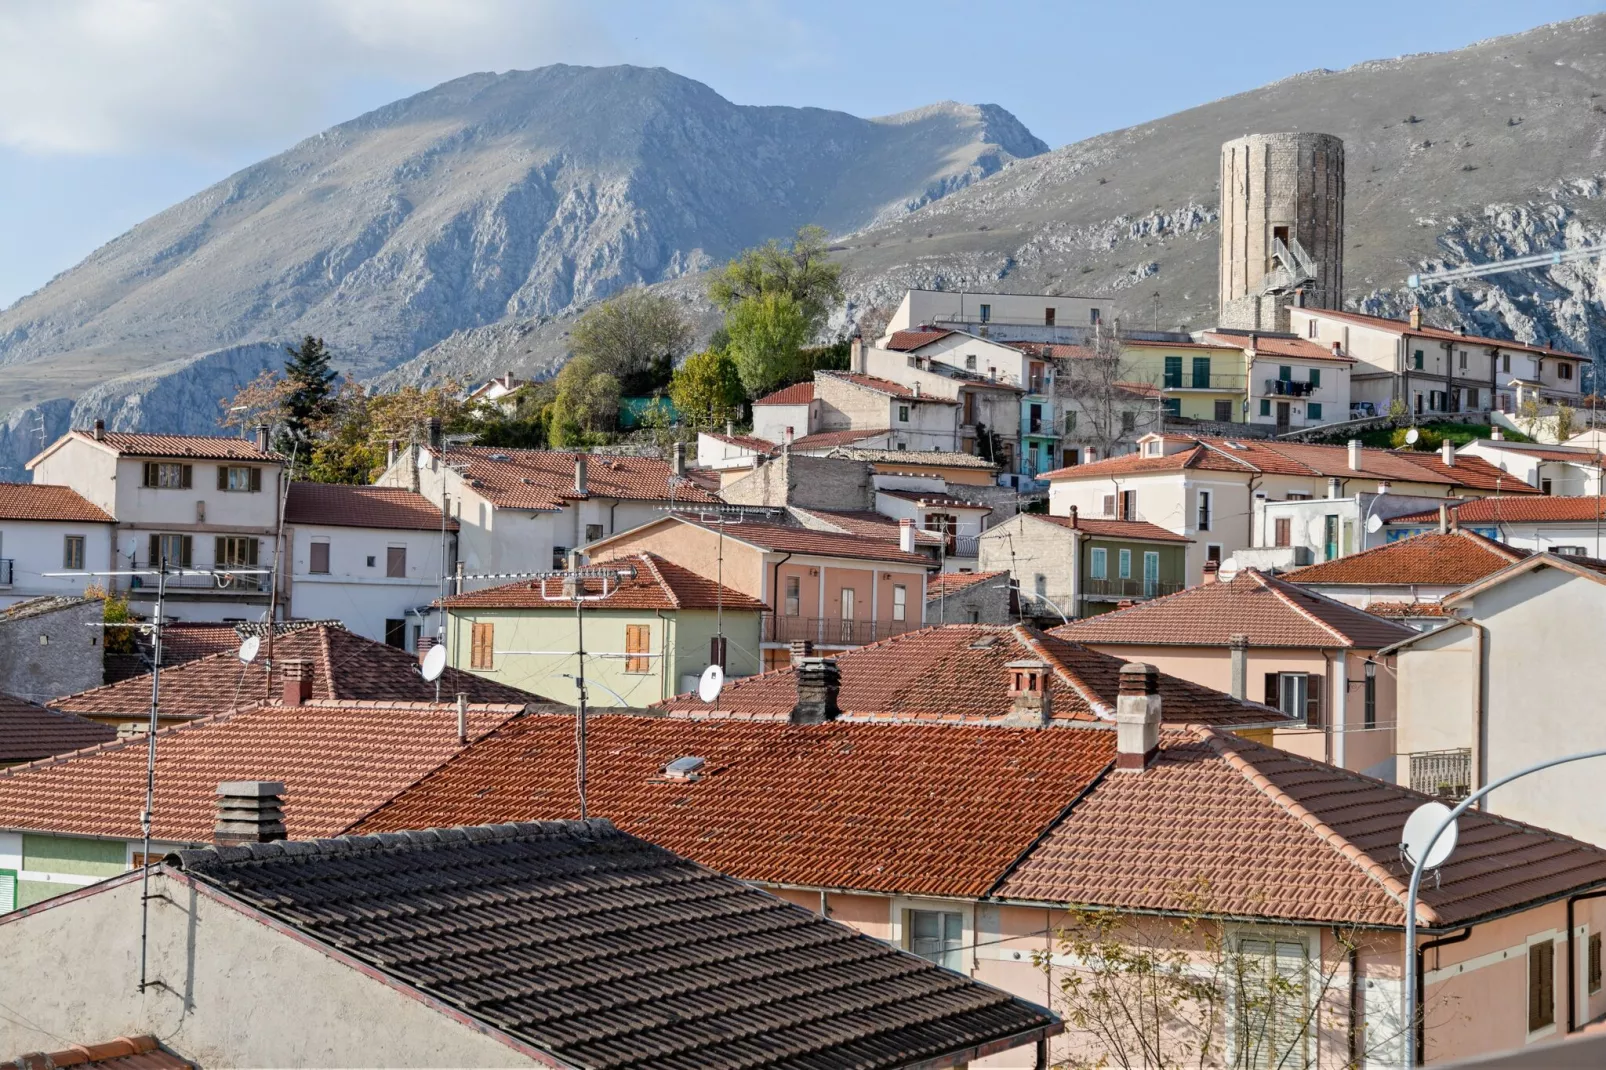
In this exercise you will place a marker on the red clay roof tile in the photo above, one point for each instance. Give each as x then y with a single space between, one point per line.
196 447
827 439
945 583
124 1053
903 341
1453 559
1425 331
29 732
544 479
1525 510
796 394
341 505
1141 530
863 522
41 501
659 584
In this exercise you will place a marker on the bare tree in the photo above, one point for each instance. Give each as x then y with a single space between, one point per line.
1110 398
873 322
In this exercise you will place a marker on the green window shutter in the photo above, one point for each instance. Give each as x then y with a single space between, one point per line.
8 890
1315 378
1314 409
186 555
1265 406
1173 371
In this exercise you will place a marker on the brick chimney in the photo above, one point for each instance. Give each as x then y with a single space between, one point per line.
1239 644
100 430
802 650
1416 317
297 676
580 473
819 681
1210 572
1337 350
906 535
462 718
1447 452
1075 515
1137 717
424 643
249 811
262 437
1354 455
677 461
1031 699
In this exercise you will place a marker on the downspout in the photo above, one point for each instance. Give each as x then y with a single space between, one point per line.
1354 997
1478 713
1419 1027
1572 960
663 656
1339 718
611 508
775 600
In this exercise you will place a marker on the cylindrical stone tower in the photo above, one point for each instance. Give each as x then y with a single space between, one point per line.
1288 186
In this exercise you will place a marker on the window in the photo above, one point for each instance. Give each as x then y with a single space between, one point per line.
239 478
1472 399
72 552
1093 316
168 476
1461 359
986 313
1310 328
237 552
1594 963
1151 573
1272 1004
1152 449
1213 552
970 362
1173 372
1416 360
1048 317
1418 401
1070 423
1109 505
1265 406
396 562
1505 362
1124 564
973 617
1223 411
1541 985
1284 528
8 889
1313 410
320 559
794 599
903 414
1070 458
1569 551
1129 505
1330 536
900 601
1315 378
1296 694
560 557
1201 373
638 643
1371 695
482 639
593 532
1098 563
1129 421
937 935
1564 370
371 560
174 550
396 633
1544 486
1204 510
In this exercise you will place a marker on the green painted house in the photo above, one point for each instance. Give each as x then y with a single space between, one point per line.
1067 567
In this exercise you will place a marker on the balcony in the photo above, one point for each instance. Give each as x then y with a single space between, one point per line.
1121 590
1212 381
7 571
1288 388
834 631
224 585
1446 774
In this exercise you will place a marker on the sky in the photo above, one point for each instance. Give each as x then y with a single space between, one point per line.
111 110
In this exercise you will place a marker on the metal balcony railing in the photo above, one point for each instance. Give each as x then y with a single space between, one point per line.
224 586
1288 388
1444 773
835 631
7 571
1213 381
1128 588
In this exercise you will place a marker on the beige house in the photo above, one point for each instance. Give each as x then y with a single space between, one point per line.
1500 687
646 638
1018 317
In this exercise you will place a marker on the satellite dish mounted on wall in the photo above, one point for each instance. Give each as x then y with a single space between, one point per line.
248 649
434 663
711 684
1411 436
1419 826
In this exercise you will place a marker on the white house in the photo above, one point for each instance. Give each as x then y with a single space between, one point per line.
1564 470
1573 526
1020 317
194 501
48 529
791 412
374 558
522 511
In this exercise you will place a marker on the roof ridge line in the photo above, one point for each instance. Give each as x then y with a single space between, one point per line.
1028 635
1220 743
1201 443
1276 588
658 577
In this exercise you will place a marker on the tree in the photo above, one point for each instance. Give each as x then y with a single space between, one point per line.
1530 415
766 334
587 400
800 270
1566 422
707 389
311 386
1106 399
1398 409
636 336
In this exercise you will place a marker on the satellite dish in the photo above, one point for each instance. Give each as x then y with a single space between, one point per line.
1419 827
1228 570
434 662
1411 436
711 683
248 649
1374 524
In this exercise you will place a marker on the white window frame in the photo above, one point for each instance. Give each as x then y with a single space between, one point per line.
1098 563
899 907
900 601
1236 936
1206 509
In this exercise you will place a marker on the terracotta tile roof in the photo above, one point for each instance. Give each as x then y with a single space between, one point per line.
1526 510
862 522
1473 472
344 666
796 394
945 583
189 447
1249 830
784 539
1425 331
884 386
912 458
1572 454
344 506
746 442
956 674
1270 612
604 951
1213 341
544 479
903 341
935 500
187 640
659 584
821 440
1273 346
1450 560
1405 610
1051 350
41 501
1113 529
1195 456
901 808
337 760
124 1053
29 732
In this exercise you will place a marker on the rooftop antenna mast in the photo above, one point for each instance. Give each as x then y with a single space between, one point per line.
572 588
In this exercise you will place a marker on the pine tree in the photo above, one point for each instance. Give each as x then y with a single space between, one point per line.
312 386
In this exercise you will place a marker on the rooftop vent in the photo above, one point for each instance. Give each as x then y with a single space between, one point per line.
500 457
688 768
1235 445
249 811
986 642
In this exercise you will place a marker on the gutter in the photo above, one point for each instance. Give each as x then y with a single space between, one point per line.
775 599
1418 1028
1572 957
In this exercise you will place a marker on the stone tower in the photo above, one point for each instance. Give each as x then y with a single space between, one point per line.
1282 227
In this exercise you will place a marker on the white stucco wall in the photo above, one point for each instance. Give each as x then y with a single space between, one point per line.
361 594
36 547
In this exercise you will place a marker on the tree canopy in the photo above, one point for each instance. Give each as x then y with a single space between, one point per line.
708 389
766 335
311 379
801 270
635 336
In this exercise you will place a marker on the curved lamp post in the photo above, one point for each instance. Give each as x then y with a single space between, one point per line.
1408 1060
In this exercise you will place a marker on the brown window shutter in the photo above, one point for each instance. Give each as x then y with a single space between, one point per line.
482 640
1273 697
638 640
155 550
1313 698
320 558
1284 532
188 476
150 474
187 554
1109 505
222 477
256 480
396 561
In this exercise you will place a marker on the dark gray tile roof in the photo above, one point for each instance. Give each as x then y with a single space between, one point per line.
607 951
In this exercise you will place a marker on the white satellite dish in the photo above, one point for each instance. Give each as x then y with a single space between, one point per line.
711 683
1228 570
1411 436
1374 524
248 649
434 663
1419 826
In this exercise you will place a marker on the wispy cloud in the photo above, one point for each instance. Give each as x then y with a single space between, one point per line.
208 76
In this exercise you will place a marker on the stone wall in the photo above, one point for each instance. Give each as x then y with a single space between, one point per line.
844 406
48 650
986 602
806 482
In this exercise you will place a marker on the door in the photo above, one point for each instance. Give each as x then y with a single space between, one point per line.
1282 414
1151 573
845 633
230 551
